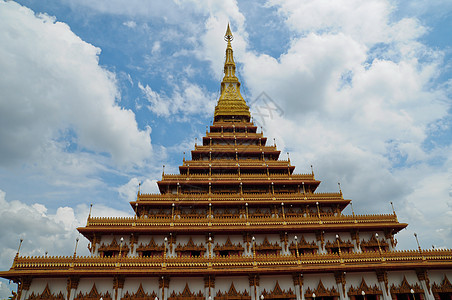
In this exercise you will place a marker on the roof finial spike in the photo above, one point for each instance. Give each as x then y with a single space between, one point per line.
228 36
18 249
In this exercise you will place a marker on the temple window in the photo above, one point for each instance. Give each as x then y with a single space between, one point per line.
365 292
113 249
108 254
322 293
278 294
228 249
442 291
267 248
303 247
405 291
151 249
333 247
374 245
190 249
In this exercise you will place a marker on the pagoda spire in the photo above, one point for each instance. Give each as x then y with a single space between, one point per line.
231 104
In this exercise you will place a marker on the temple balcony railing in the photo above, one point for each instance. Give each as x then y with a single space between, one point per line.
239 197
241 162
244 176
239 148
392 259
234 134
215 220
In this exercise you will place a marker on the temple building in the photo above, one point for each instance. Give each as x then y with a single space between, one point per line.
237 223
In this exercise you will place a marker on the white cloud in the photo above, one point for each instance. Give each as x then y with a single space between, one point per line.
130 24
129 190
187 99
43 231
156 47
54 83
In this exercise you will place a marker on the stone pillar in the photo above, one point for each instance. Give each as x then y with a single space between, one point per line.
118 286
133 244
248 246
390 240
382 277
163 287
24 287
95 246
254 286
209 287
298 284
72 284
425 283
356 242
340 283
319 236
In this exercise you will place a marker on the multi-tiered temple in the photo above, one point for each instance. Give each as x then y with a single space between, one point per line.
238 224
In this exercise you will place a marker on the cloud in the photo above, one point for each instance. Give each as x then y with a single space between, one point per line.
55 85
186 100
130 24
129 190
41 230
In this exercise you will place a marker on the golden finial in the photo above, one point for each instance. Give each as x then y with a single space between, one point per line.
76 243
228 36
18 249
231 104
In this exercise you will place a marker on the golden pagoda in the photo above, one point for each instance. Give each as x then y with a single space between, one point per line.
237 223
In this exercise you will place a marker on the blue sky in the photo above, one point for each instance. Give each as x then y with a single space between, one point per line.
95 96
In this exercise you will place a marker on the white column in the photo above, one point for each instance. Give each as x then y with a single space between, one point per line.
340 284
23 296
341 291
297 291
302 292
72 295
428 293
96 252
166 293
386 296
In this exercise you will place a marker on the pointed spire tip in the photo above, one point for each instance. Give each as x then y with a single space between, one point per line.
228 36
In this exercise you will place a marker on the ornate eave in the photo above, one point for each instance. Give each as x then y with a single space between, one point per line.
286 264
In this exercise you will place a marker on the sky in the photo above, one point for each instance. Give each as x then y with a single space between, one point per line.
96 96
